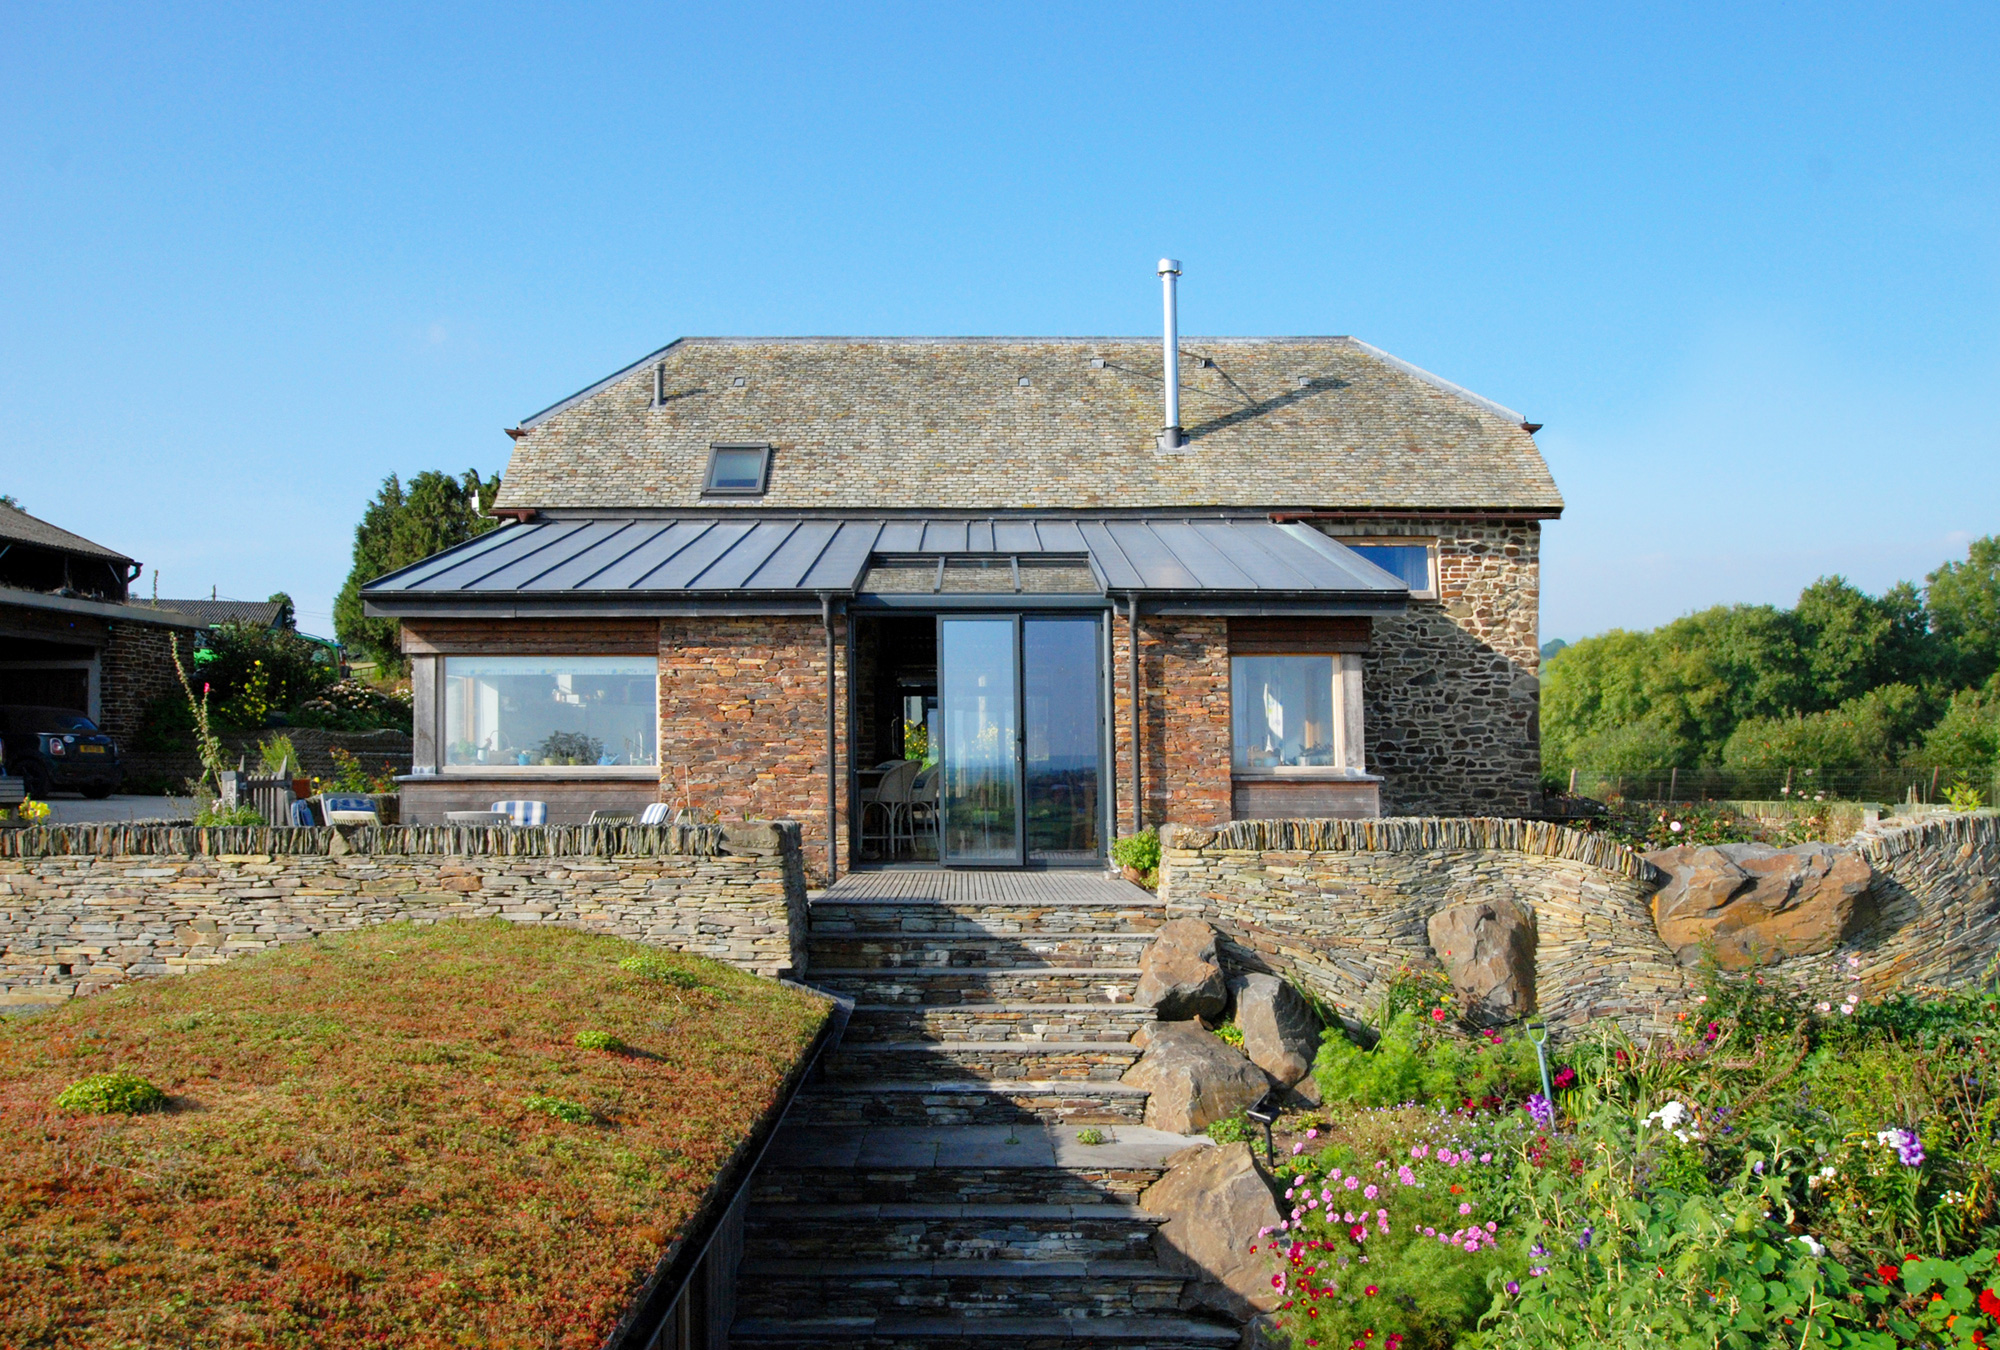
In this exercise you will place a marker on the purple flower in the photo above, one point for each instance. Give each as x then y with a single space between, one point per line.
1584 1241
1513 1286
1543 1113
1909 1148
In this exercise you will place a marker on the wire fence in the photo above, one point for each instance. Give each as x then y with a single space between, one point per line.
1888 783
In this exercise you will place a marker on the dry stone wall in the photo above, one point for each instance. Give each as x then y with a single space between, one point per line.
84 908
1342 905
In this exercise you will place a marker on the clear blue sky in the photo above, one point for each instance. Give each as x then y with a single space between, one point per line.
1743 261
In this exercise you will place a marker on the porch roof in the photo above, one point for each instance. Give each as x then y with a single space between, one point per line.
790 564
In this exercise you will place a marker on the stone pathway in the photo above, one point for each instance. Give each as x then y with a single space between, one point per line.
930 1193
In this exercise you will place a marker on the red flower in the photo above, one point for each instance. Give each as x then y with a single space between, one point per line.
1887 1273
1989 1303
1370 1291
1437 1014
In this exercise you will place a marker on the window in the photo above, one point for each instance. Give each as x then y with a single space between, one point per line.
1409 559
570 711
737 470
1285 713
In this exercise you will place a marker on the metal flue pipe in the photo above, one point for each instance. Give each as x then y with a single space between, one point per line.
1170 435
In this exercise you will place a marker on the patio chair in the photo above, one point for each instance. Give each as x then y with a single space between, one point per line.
890 800
304 813
610 817
476 819
923 813
658 813
524 814
348 810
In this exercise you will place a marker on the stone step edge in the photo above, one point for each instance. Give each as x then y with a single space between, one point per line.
1009 1047
792 1212
875 973
996 1007
1141 900
972 1087
1079 1329
766 1269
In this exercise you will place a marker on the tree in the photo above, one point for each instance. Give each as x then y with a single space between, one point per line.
1852 642
403 525
1964 601
288 614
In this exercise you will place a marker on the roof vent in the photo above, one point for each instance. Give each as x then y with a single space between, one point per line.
1303 381
1023 382
1097 363
1170 437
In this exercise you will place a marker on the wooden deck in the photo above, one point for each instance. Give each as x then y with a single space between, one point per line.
957 887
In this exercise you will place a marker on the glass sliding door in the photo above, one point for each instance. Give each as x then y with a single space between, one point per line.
1060 675
979 692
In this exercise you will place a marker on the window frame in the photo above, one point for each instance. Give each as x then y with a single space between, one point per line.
444 768
1428 544
716 450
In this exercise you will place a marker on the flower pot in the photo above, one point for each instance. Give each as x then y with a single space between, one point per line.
1133 875
302 788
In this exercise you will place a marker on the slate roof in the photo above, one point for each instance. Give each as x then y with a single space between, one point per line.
263 613
946 424
777 558
18 527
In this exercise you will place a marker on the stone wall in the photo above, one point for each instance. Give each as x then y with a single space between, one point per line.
86 907
1452 686
743 722
1937 912
1342 905
1184 739
137 668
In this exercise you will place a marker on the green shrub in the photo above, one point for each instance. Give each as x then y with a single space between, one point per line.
115 1093
1091 1135
662 969
255 671
598 1040
352 705
1232 1129
235 815
1230 1034
561 1108
1423 1061
1140 852
277 755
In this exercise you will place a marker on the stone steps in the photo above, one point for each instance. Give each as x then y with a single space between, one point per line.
970 1102
957 985
995 1022
1011 1061
952 1232
952 1333
830 918
1072 1290
968 1164
897 951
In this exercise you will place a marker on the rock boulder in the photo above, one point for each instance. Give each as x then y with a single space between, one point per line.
1195 1077
1280 1029
1488 949
1755 904
1179 975
1217 1200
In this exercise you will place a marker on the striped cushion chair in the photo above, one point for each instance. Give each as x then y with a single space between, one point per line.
524 813
349 810
656 814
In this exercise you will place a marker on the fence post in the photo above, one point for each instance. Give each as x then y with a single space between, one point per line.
1673 784
1572 780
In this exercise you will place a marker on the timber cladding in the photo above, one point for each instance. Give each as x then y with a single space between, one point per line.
531 637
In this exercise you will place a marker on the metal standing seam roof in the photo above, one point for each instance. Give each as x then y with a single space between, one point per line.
802 557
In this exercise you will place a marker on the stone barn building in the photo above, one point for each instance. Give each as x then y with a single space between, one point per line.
753 577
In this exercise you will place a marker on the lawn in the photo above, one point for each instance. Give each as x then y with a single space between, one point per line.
349 1155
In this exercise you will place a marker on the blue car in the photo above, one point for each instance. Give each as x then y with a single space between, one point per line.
58 750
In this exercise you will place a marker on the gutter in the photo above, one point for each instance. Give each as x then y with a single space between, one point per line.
673 1278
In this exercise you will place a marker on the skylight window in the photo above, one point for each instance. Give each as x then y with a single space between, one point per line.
737 470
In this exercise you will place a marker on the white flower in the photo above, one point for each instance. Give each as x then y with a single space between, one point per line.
1670 1117
1847 1010
1676 827
1825 1007
1811 1245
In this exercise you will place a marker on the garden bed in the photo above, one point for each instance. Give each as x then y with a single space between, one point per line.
392 1136
1782 1171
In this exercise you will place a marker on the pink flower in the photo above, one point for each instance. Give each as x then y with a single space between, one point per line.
1369 1194
1465 1209
1353 1183
1437 1015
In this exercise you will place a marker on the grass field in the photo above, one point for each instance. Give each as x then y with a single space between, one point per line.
348 1156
